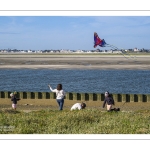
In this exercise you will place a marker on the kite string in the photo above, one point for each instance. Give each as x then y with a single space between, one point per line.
123 53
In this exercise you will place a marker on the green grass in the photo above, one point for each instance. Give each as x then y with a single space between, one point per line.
88 121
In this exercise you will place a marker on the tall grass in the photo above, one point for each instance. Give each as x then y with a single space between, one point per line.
88 121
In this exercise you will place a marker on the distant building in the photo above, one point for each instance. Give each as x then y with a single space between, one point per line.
117 51
136 50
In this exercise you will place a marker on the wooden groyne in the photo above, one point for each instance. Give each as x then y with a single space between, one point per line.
79 96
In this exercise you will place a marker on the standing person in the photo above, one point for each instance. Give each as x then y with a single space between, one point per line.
59 95
78 106
14 100
109 101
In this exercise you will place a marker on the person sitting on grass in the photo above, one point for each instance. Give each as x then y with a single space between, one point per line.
78 106
14 100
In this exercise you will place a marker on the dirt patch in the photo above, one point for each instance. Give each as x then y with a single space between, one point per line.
34 105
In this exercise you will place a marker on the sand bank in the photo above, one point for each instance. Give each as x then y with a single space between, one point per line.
74 62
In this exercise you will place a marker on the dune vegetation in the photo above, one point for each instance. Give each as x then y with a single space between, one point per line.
88 121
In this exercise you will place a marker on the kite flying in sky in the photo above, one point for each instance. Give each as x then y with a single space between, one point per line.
102 43
98 41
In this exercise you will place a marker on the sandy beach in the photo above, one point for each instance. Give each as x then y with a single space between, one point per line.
74 61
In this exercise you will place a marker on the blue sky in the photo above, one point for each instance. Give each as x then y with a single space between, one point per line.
73 32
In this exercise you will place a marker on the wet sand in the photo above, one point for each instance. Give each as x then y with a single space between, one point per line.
74 61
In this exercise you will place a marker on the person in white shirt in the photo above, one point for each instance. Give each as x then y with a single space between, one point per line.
59 95
78 106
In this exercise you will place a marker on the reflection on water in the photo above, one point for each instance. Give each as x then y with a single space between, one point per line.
91 81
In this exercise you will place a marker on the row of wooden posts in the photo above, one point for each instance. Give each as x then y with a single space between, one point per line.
79 96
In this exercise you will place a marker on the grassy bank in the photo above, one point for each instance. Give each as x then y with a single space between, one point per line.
88 121
43 117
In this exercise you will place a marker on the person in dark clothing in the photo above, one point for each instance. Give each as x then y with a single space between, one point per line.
14 100
109 101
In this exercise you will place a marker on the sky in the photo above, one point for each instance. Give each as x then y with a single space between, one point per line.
73 32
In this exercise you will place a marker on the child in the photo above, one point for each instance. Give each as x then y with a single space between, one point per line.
60 94
109 100
14 100
78 106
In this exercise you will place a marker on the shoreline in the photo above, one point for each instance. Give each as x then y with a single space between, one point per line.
83 67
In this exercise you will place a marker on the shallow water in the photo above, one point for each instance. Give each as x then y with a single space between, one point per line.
74 80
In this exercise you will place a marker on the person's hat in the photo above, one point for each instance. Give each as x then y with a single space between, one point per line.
106 93
15 92
11 94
